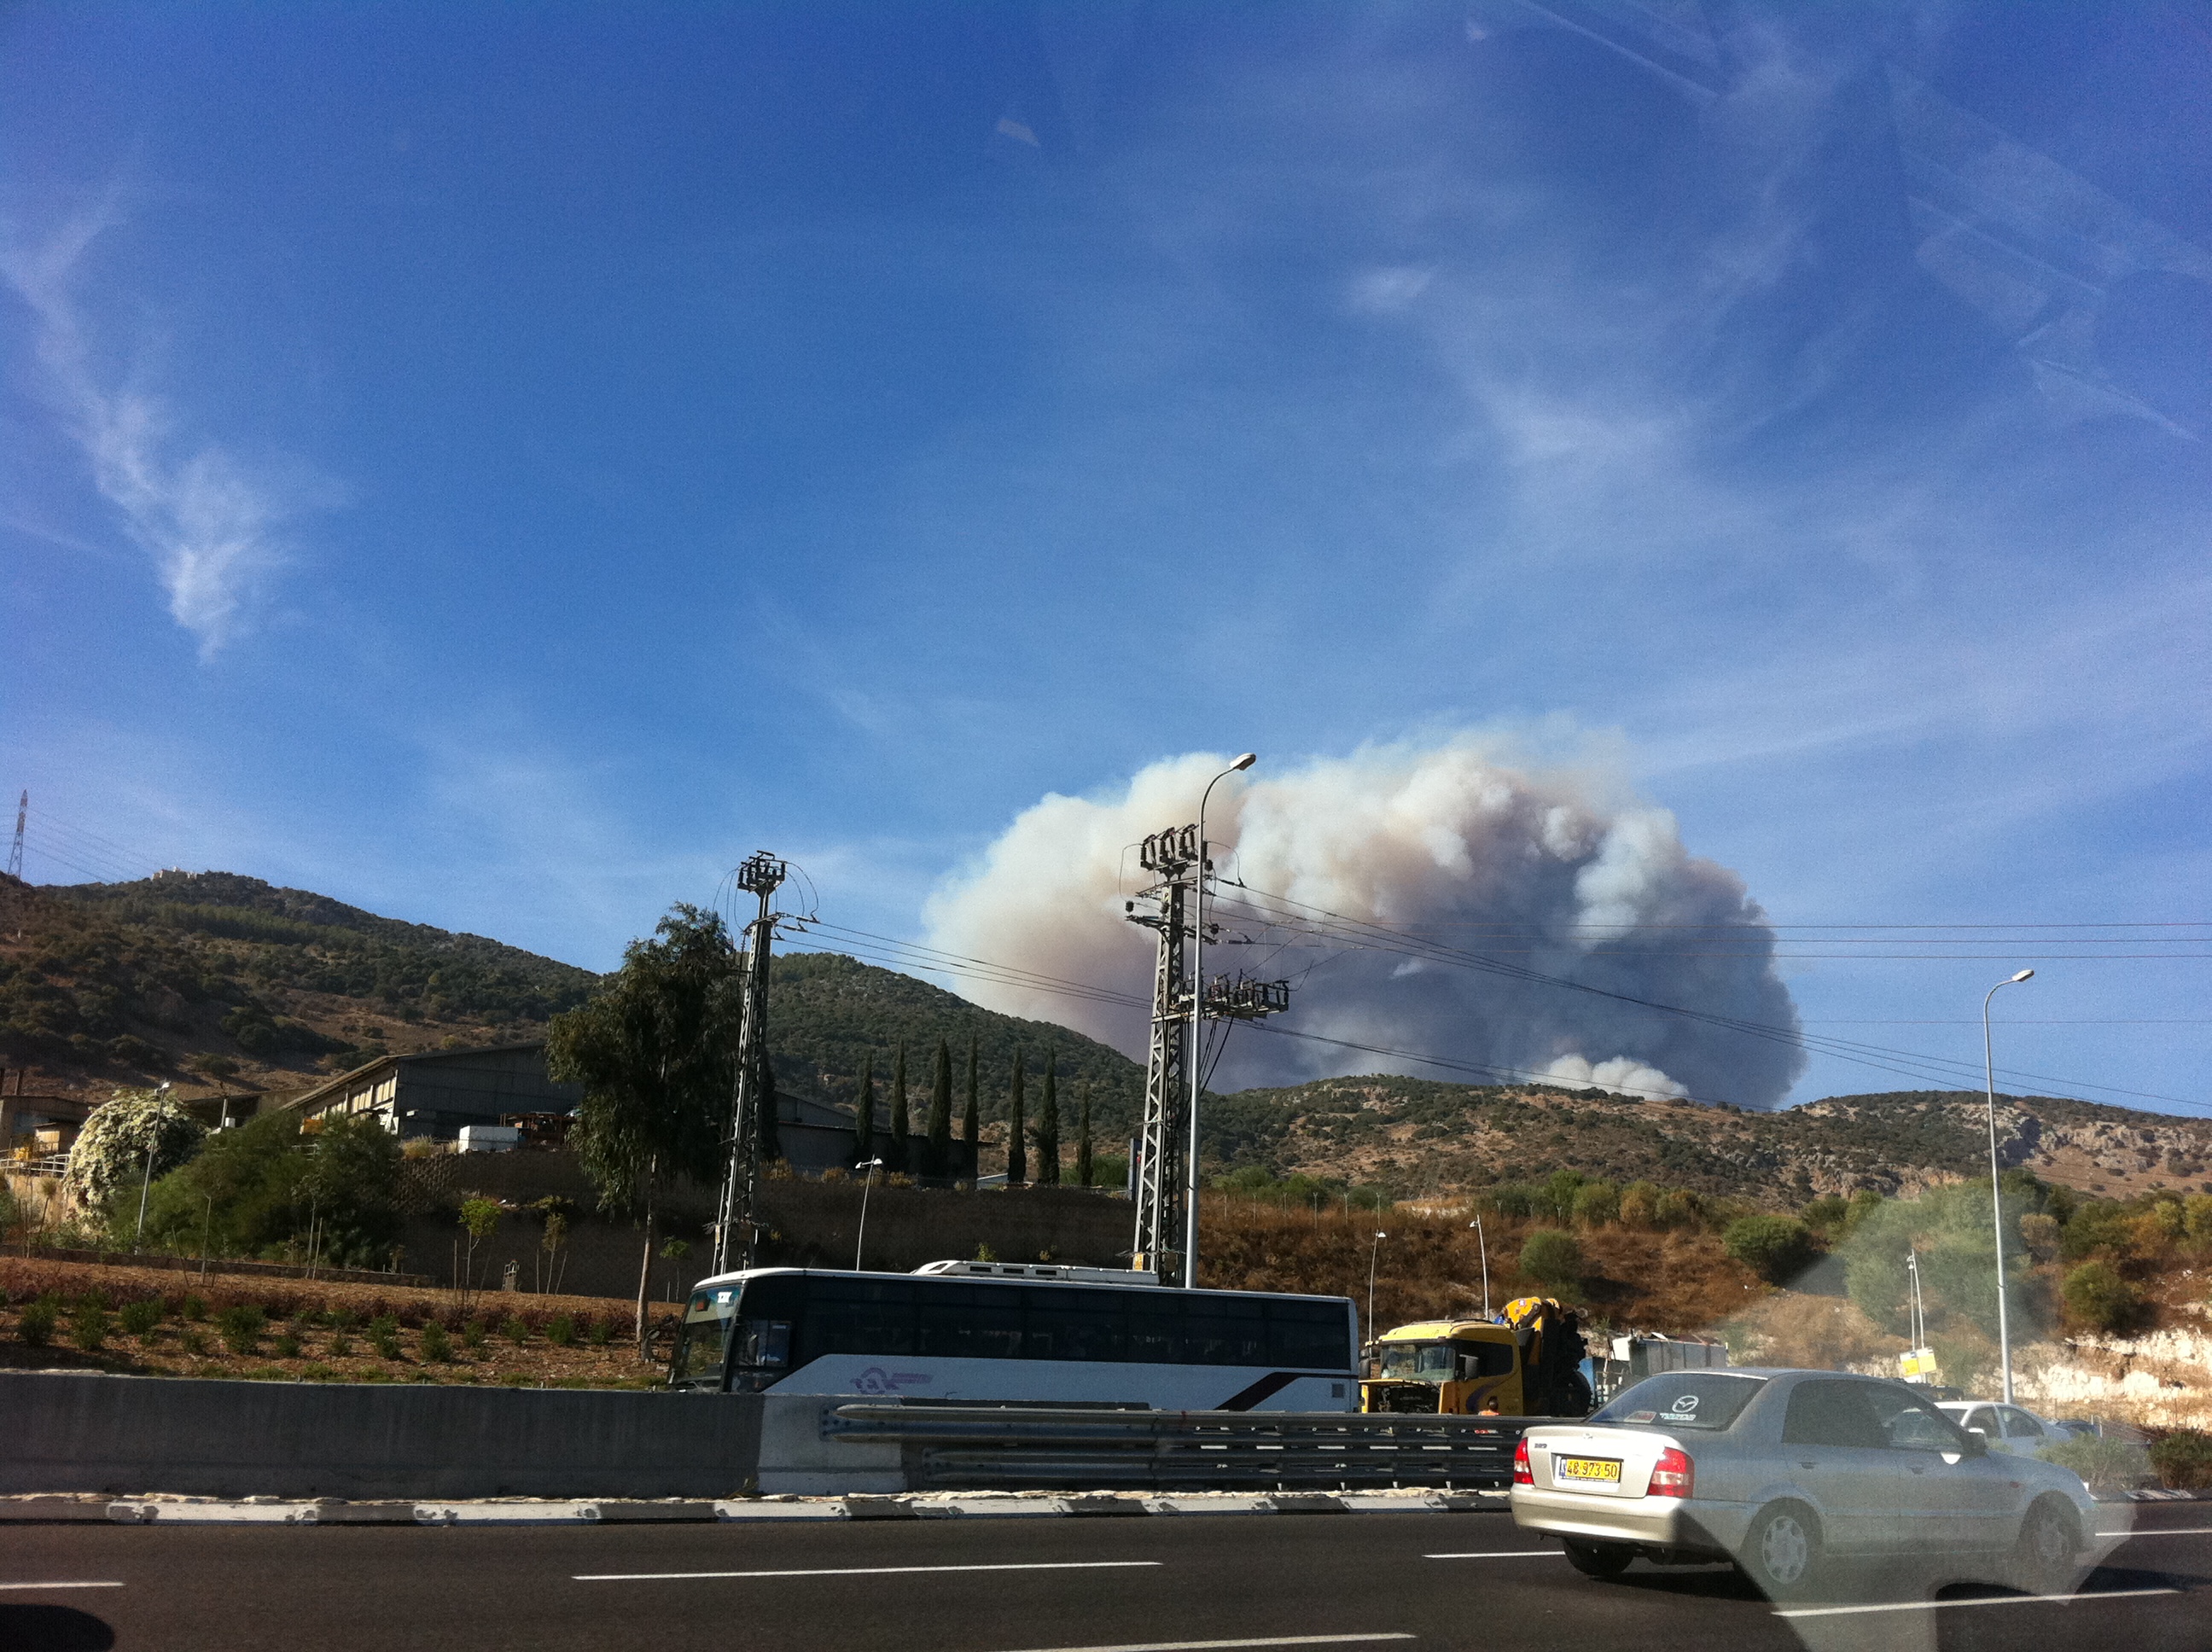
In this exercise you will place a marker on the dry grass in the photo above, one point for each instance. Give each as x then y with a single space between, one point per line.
1430 1265
301 1308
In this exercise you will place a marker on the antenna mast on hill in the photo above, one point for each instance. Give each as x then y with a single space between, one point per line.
16 849
761 874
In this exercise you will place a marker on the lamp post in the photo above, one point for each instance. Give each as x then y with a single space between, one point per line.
1197 1019
870 1165
1372 1251
1483 1245
1997 1194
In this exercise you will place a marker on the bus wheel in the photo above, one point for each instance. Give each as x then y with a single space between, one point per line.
1598 1559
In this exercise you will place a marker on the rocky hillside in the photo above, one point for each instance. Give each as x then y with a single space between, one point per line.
1417 1136
211 978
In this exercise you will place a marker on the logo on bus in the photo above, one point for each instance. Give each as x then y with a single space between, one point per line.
877 1380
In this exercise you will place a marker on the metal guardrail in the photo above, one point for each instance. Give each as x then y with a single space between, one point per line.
956 1447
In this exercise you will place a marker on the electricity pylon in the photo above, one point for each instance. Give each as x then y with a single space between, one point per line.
1165 1195
761 874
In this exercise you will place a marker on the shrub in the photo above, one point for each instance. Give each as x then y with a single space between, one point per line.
192 1341
519 1380
1776 1248
2104 1464
1597 1203
514 1329
2098 1299
340 1345
36 1324
561 1330
2183 1460
433 1344
1553 1257
287 1343
126 1136
139 1318
319 1372
240 1328
1675 1207
472 1336
1639 1205
602 1330
195 1306
384 1336
89 1325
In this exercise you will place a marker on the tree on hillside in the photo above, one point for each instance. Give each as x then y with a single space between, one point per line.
1017 1155
863 1114
971 1121
1082 1135
1047 1136
895 1151
132 1133
655 1052
939 1152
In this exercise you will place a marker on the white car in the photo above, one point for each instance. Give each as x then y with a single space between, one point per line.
2007 1428
1777 1471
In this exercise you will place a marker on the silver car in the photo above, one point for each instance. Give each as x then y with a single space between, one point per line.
1777 1471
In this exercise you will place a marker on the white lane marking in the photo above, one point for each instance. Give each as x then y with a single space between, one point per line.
1992 1600
1211 1646
1503 1554
60 1586
2162 1531
864 1572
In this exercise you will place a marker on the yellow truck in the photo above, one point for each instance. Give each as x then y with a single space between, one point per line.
1529 1366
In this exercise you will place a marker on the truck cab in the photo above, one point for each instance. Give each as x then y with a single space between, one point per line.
1528 1366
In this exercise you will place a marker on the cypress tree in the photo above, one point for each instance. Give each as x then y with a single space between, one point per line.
863 1114
771 1143
940 1113
895 1148
1082 1135
971 1121
1017 1150
1047 1139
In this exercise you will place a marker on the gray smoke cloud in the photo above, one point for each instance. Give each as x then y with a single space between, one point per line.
1558 869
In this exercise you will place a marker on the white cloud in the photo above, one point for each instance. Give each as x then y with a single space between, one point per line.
212 523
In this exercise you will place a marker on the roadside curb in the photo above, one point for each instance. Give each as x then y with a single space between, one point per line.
616 1511
2153 1496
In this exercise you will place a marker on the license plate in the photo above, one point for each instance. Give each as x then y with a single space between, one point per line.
1587 1468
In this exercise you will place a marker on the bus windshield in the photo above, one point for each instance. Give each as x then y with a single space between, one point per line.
704 1339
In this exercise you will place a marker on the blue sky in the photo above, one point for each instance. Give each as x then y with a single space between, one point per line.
500 465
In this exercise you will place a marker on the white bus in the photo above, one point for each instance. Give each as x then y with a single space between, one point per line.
969 1331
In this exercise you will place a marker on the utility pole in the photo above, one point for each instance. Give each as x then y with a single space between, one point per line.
761 874
1155 1174
1164 1171
16 849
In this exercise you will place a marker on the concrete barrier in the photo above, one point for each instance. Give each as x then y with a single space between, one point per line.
73 1431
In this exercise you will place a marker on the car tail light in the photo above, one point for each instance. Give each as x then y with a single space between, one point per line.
1674 1475
1521 1474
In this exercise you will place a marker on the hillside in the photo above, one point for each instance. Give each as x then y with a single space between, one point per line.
229 980
1417 1136
212 978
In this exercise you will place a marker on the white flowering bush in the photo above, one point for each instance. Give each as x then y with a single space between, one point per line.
110 1151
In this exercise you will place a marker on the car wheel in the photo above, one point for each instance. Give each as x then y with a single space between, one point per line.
2049 1540
1598 1559
1782 1555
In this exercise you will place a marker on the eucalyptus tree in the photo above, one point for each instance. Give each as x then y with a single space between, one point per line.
656 1051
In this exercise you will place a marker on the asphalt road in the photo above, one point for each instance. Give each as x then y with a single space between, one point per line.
1364 1582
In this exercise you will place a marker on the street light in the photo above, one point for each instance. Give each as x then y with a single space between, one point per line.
1997 1195
871 1165
1483 1244
1371 1252
1197 1022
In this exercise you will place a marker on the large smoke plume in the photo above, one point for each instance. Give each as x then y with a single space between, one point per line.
1558 870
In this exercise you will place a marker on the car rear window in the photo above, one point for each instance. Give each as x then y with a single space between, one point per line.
1708 1401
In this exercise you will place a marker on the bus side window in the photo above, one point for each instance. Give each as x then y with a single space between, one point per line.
1312 1334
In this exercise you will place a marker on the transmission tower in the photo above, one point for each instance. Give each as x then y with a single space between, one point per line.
760 874
16 849
1156 1174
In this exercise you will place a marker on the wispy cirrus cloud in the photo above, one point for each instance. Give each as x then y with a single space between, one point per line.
213 524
